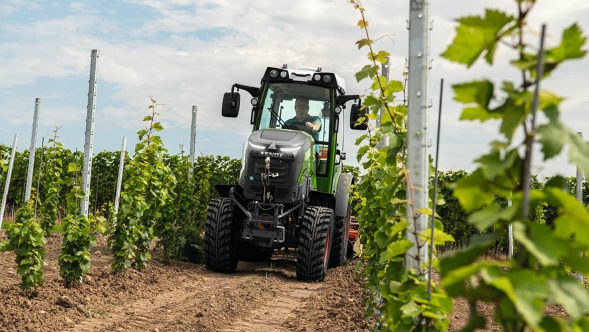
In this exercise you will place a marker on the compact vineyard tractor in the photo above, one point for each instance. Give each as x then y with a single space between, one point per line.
292 192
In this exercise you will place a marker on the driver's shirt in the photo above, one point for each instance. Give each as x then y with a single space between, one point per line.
295 122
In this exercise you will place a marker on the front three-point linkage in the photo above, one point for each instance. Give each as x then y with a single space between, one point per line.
266 181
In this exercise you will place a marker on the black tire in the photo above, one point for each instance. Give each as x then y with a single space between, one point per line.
221 235
315 236
339 245
249 252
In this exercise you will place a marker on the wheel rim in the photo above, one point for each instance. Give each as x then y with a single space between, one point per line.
327 245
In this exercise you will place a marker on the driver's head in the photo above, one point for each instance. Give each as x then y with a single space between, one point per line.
302 108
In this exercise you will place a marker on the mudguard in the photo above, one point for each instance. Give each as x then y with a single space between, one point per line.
342 194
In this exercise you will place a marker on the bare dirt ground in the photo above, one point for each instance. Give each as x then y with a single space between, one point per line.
259 297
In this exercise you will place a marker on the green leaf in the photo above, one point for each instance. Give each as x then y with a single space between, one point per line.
364 42
397 248
440 237
493 164
362 151
158 126
555 135
476 35
489 216
529 291
541 243
362 24
572 296
570 46
474 191
479 93
395 86
382 56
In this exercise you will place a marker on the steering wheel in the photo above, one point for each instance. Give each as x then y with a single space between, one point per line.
299 127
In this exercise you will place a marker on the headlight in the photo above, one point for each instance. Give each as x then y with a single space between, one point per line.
326 78
283 74
256 146
273 73
317 77
290 149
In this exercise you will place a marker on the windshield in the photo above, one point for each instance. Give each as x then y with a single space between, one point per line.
281 99
294 106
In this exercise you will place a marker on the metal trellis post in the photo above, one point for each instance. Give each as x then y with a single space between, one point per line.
510 234
579 193
32 151
91 110
417 132
8 175
120 176
193 135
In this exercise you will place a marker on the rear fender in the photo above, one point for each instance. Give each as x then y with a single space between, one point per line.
342 194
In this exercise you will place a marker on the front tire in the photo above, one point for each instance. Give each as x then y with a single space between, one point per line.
221 235
315 236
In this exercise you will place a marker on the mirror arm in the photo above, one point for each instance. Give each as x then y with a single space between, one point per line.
341 100
253 91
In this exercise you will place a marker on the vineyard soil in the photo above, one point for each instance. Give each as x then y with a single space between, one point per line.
186 297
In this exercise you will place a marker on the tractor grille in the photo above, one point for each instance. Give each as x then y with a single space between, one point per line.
279 194
281 169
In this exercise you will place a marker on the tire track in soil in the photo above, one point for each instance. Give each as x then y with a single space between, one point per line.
273 314
253 299
147 314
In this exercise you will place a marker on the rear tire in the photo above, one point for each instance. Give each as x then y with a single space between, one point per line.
315 236
339 245
249 252
221 235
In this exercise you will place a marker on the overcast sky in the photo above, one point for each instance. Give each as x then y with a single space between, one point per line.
189 52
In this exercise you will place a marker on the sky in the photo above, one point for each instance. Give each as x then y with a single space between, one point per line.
188 53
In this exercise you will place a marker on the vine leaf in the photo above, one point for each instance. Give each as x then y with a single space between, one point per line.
555 135
367 71
476 35
479 93
488 216
395 249
541 243
364 42
571 296
440 237
492 164
473 191
570 46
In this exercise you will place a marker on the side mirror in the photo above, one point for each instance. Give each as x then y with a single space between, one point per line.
230 105
355 114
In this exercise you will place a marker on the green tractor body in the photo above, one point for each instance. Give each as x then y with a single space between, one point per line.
291 192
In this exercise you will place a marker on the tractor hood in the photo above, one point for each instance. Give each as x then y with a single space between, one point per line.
290 158
279 141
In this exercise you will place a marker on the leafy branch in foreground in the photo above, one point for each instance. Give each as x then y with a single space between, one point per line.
521 287
381 211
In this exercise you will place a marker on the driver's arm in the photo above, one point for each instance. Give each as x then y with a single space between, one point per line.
316 126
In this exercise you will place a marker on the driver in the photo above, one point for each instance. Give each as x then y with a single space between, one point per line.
309 123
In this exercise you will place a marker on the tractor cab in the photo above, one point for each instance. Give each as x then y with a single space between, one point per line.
273 105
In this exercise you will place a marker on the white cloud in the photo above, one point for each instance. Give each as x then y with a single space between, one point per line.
189 52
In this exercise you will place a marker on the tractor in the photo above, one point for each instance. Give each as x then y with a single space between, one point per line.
291 192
